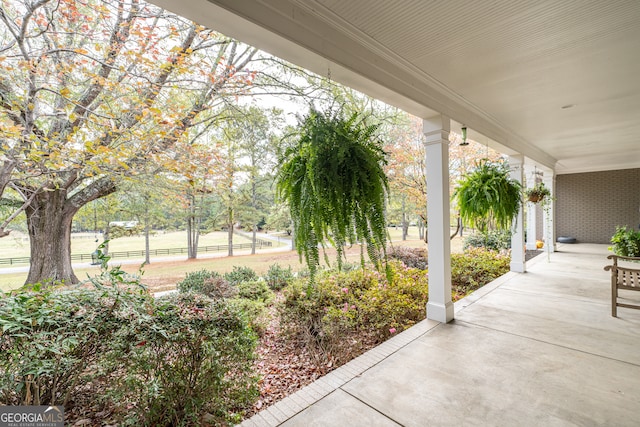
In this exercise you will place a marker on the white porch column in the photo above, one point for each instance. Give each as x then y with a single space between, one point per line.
532 232
548 213
517 239
436 131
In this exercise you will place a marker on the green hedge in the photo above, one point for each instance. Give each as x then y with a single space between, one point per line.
166 361
345 308
475 268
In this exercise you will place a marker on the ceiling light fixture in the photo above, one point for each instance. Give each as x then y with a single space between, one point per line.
464 136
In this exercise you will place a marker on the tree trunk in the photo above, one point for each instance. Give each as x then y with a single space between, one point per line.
405 227
230 231
405 223
147 258
190 254
254 240
196 237
193 229
6 172
105 238
455 233
420 228
426 231
190 215
49 220
254 205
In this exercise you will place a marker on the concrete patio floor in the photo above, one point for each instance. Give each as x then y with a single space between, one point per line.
532 349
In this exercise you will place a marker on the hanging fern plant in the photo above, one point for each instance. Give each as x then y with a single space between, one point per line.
334 183
487 196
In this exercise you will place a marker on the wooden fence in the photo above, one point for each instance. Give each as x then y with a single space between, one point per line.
152 252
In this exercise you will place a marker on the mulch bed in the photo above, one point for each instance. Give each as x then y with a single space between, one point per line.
286 365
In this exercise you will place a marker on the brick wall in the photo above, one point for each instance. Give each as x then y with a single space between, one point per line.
589 206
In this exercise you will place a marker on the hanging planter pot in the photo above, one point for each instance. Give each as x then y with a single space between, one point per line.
537 193
535 197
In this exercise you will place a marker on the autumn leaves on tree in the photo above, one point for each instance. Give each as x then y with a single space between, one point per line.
93 92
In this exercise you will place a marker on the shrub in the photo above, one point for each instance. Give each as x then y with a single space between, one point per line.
278 277
209 283
240 274
398 304
255 290
475 268
161 362
411 257
192 355
495 240
344 309
320 315
626 242
51 337
255 313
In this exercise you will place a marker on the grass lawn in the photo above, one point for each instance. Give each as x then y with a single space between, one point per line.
163 275
17 244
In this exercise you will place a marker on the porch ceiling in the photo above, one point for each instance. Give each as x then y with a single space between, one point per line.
504 68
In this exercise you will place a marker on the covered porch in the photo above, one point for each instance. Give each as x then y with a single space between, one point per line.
528 349
554 86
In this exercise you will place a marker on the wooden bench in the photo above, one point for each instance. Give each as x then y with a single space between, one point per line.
623 278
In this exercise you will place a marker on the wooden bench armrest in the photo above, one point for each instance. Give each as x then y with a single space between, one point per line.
623 258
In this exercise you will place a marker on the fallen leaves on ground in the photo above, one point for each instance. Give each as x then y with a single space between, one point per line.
286 365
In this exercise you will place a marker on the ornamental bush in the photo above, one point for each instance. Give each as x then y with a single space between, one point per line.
411 257
278 277
495 240
209 283
50 338
346 309
398 304
475 268
255 313
626 242
195 280
189 357
255 290
240 274
165 361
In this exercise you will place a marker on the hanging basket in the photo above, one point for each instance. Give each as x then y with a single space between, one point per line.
536 197
537 193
